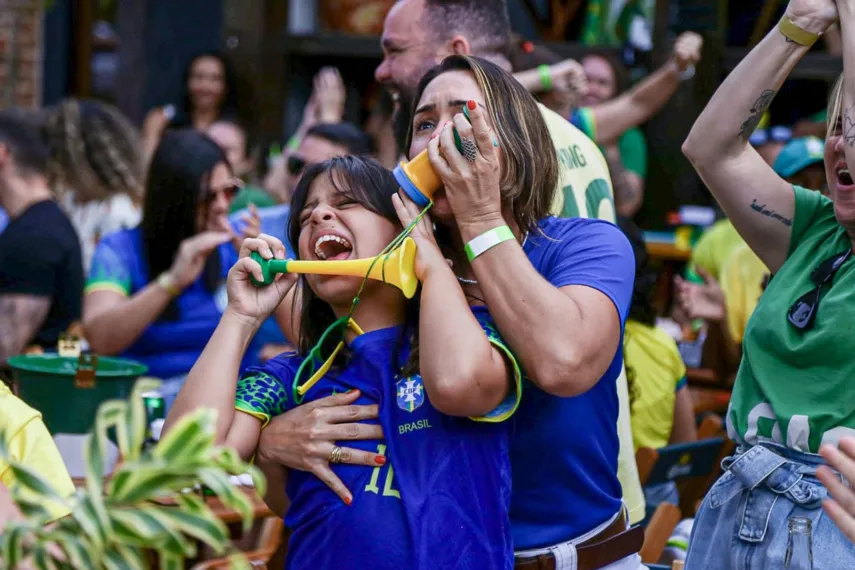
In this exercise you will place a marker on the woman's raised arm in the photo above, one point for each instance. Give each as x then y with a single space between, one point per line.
758 202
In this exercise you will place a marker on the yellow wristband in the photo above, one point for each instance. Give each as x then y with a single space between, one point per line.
165 282
799 35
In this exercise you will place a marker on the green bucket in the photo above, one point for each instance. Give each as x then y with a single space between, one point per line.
68 390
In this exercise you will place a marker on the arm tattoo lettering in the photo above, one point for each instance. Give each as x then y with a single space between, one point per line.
762 209
757 109
21 316
849 126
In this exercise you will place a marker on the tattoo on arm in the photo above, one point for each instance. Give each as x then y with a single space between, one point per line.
762 209
757 109
849 126
21 316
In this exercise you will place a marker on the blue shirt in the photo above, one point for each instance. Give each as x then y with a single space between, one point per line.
168 348
440 501
565 450
274 222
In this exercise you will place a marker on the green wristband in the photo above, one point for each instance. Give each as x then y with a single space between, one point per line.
545 77
487 240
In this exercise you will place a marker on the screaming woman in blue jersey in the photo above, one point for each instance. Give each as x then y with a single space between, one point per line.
435 366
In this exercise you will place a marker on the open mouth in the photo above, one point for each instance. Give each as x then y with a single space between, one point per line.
844 178
332 247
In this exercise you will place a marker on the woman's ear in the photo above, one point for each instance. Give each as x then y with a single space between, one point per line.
460 45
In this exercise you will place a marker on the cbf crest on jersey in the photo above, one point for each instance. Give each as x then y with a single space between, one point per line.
411 393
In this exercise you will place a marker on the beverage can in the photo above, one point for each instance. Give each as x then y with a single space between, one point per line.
155 407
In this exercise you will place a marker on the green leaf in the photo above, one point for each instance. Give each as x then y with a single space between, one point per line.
90 524
138 523
32 481
109 413
144 484
125 558
136 418
33 511
76 548
170 561
204 527
230 495
190 503
191 431
42 558
171 539
13 543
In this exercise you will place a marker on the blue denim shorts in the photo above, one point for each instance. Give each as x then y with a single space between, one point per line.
742 522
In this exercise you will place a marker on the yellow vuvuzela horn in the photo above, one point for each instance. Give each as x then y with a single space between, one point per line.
395 268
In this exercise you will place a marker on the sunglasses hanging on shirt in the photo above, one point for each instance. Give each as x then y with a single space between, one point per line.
802 313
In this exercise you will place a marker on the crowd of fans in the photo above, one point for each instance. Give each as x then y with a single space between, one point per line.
511 393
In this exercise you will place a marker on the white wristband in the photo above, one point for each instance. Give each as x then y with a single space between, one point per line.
487 240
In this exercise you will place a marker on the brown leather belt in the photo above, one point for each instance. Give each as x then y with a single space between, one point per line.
614 543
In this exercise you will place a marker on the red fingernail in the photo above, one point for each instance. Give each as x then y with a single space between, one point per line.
471 104
379 460
347 501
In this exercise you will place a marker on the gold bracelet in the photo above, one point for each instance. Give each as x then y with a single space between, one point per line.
165 281
796 33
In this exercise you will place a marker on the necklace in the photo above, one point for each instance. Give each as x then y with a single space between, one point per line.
475 281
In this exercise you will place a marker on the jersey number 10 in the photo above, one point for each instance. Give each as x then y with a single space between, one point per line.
372 487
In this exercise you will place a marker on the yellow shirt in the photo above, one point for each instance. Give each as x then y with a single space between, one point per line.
714 247
29 444
584 184
741 282
657 372
585 191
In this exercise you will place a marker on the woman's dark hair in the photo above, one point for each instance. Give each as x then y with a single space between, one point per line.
641 309
530 166
230 108
348 135
365 181
178 179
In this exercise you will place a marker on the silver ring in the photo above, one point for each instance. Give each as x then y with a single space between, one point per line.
335 455
470 149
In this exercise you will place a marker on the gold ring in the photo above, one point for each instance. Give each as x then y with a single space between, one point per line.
335 455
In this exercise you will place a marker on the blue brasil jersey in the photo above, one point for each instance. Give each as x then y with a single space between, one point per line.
168 348
565 450
442 498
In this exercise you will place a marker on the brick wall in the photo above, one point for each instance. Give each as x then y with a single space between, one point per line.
20 53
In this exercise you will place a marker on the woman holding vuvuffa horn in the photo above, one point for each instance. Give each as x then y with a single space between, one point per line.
544 280
794 389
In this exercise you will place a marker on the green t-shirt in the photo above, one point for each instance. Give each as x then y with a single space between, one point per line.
251 195
796 387
633 151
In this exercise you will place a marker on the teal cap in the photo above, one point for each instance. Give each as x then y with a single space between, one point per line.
797 155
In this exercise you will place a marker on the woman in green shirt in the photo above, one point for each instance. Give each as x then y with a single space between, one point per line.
794 389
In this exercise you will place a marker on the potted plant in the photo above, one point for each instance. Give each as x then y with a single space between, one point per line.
146 509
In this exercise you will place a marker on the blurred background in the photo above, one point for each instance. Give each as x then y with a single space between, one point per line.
133 53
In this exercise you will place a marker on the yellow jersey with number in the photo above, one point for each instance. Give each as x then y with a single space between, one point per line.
585 191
